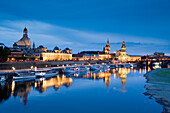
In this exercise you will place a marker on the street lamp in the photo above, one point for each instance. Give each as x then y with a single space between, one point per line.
31 67
13 68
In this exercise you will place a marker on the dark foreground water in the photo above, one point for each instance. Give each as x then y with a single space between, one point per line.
114 91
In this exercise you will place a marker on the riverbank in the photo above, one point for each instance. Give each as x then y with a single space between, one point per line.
159 87
42 64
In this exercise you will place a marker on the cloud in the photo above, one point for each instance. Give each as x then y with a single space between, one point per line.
51 35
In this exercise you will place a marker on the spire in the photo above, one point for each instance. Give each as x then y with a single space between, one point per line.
123 43
25 32
33 46
107 41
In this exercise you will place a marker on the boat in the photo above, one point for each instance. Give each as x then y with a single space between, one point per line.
34 74
133 65
2 78
105 66
45 73
18 76
75 69
96 67
71 69
112 66
83 68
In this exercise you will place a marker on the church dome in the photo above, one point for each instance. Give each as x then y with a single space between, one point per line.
41 46
67 49
15 44
24 42
56 48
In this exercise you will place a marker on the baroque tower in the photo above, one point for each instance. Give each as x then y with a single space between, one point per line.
106 49
122 54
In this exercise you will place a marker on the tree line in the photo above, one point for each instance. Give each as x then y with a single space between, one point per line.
4 52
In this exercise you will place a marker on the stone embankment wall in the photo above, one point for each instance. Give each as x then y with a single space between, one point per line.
41 64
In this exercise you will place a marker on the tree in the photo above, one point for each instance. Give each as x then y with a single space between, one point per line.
4 52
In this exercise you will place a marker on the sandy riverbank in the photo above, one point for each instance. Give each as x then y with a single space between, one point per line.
159 87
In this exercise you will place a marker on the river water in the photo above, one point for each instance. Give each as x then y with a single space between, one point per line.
107 91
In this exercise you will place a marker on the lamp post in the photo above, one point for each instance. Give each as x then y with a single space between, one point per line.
13 68
31 68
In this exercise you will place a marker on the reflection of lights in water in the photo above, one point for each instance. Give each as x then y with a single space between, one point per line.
94 76
134 70
13 86
140 70
44 82
149 69
41 79
35 85
114 75
63 76
56 82
77 74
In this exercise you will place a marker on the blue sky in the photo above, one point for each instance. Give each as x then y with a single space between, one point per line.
87 24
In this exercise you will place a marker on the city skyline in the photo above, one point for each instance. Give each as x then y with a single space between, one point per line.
144 29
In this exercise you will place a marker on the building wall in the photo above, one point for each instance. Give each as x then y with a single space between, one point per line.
56 56
134 58
104 56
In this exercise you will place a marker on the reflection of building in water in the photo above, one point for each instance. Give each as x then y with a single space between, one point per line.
105 75
56 82
122 73
22 90
5 91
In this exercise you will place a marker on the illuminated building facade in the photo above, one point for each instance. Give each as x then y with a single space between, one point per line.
56 56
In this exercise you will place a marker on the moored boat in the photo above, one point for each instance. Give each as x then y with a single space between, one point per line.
96 67
2 78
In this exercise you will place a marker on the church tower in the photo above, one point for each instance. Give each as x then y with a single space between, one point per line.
33 46
122 56
106 49
25 32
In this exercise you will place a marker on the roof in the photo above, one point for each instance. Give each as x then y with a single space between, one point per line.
41 46
56 48
25 29
67 49
91 52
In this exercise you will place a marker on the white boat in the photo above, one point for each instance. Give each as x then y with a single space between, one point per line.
76 69
105 66
2 78
23 76
83 68
45 73
133 65
96 67
34 74
112 66
71 69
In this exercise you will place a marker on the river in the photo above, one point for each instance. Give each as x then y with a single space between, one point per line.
117 90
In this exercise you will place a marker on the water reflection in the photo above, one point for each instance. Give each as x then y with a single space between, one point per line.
22 89
57 82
